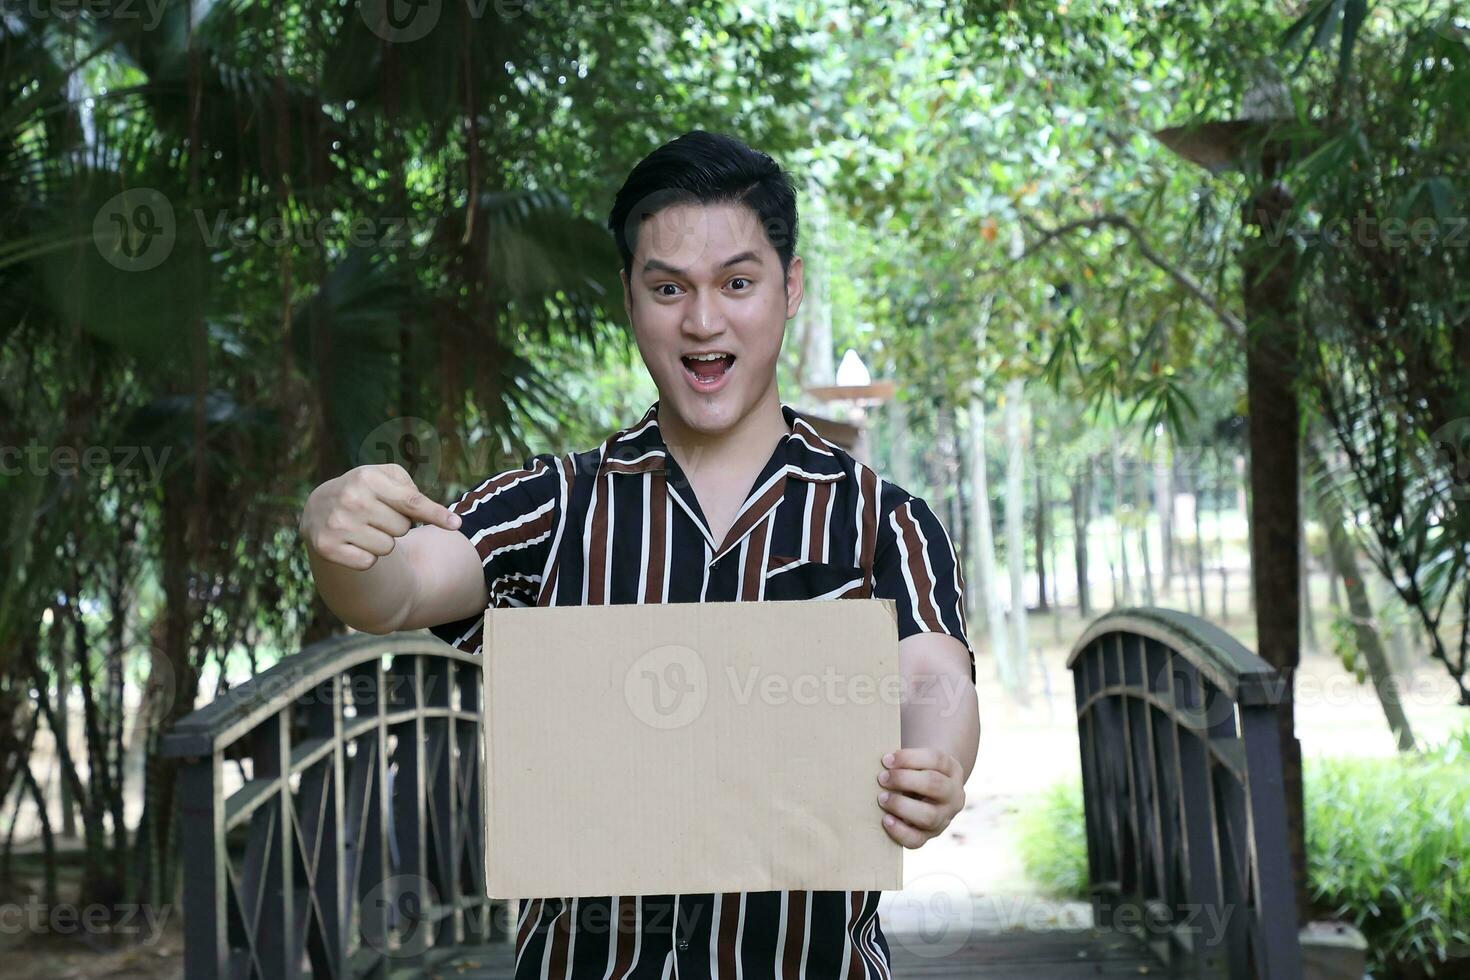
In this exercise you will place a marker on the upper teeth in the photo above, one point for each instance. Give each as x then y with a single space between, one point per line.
706 357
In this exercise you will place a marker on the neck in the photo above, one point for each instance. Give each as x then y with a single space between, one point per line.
745 444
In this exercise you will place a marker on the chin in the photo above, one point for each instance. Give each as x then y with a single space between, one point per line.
708 416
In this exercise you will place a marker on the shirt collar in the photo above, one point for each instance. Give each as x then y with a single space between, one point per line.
640 448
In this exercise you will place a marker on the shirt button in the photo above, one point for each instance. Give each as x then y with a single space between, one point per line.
683 944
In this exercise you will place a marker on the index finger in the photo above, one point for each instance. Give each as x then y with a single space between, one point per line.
920 757
419 507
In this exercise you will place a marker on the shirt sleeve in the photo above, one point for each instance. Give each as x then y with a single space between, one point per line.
915 564
511 519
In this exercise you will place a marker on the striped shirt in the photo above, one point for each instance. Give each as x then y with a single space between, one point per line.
620 524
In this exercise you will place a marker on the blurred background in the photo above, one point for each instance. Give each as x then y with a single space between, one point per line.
1130 292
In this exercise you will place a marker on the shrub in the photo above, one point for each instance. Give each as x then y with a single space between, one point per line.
1053 841
1388 849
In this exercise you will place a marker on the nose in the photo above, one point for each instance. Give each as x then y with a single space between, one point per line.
704 318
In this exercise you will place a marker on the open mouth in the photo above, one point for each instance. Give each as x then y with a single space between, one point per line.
707 370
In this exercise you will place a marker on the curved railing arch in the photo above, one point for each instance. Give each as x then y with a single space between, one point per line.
1182 793
351 839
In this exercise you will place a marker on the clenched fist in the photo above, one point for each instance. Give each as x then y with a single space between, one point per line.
355 519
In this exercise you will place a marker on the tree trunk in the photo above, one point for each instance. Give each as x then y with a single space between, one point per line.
1365 627
982 560
947 458
48 839
1081 492
1015 530
155 826
1042 605
1164 501
1244 500
1220 540
1142 508
63 734
1127 580
1304 573
1399 659
959 478
95 882
936 472
1056 568
1272 344
1383 597
1196 481
900 461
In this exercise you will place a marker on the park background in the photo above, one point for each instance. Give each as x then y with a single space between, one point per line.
245 246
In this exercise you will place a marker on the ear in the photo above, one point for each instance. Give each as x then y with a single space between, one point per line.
795 286
627 296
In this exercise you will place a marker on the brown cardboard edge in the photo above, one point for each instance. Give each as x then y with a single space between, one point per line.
487 765
892 606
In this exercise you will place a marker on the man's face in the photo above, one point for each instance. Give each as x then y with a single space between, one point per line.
705 280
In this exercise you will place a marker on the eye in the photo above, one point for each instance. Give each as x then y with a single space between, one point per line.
665 285
740 279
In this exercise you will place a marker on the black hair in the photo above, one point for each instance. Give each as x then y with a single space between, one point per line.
706 168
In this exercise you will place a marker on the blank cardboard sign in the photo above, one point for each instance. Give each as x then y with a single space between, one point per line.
689 747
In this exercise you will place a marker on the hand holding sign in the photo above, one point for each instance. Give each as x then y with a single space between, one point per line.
922 790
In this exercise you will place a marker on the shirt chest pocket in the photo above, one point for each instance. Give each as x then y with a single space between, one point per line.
798 578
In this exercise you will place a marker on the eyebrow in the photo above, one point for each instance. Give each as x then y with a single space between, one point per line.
654 265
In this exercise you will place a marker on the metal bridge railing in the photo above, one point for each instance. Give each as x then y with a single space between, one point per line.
1182 794
331 814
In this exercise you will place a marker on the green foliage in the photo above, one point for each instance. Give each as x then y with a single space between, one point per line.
1343 641
1320 20
1052 839
337 231
1388 848
1378 223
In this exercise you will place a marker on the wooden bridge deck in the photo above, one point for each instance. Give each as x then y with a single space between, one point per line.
1052 955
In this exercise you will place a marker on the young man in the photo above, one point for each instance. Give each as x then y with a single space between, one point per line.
719 493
